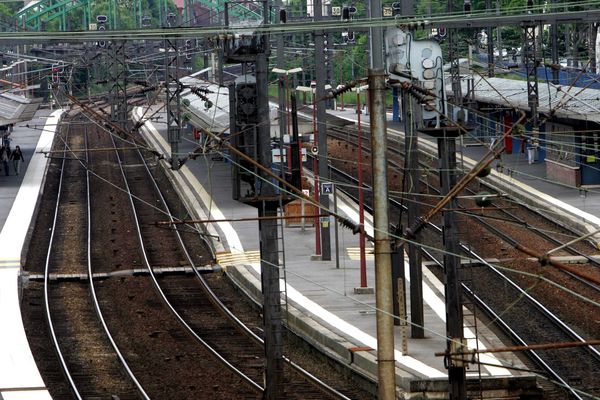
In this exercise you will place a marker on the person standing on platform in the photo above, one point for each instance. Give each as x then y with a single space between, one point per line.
17 157
4 157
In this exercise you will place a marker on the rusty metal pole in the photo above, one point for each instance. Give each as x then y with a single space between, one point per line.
383 260
361 206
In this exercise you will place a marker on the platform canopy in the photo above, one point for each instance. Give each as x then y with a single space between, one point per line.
575 103
15 108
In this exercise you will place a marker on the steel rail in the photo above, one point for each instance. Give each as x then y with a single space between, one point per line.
161 292
506 328
516 244
557 321
490 227
97 307
48 313
487 308
214 299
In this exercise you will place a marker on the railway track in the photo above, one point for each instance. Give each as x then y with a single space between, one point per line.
90 361
172 330
525 321
196 305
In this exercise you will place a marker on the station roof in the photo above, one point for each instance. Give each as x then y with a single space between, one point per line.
15 108
574 103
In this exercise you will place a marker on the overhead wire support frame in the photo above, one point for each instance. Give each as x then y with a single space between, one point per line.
173 98
474 21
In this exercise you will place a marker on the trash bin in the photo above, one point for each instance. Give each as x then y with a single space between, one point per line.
531 155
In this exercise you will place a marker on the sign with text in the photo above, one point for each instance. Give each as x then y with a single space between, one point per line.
326 188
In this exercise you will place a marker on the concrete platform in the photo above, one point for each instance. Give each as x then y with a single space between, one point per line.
323 306
19 376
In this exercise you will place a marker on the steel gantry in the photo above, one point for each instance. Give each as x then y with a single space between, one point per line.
454 61
38 14
117 78
173 90
530 61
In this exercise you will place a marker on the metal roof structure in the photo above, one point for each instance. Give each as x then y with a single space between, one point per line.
574 103
15 108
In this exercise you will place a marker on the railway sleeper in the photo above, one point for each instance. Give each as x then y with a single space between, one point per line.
129 272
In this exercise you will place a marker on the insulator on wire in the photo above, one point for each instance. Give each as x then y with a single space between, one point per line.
201 93
349 224
340 90
199 89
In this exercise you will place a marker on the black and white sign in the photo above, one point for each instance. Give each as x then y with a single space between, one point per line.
326 188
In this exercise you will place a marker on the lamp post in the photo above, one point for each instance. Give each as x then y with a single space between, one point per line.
286 73
315 166
361 210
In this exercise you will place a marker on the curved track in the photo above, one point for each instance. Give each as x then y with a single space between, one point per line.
88 355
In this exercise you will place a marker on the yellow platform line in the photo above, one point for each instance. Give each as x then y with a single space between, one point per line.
247 257
10 263
354 253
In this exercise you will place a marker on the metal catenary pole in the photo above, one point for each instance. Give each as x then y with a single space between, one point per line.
454 315
411 114
361 206
321 75
383 261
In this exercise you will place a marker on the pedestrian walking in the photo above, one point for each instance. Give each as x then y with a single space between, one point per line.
17 157
4 157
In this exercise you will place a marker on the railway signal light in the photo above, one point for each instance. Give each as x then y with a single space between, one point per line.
171 19
350 37
102 20
348 12
283 16
345 14
188 49
246 103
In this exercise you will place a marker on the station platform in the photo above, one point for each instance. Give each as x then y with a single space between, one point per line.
19 375
322 303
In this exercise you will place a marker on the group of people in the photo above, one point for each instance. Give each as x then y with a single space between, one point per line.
7 155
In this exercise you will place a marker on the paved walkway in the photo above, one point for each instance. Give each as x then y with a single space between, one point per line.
19 376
